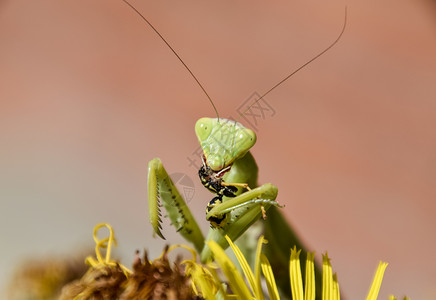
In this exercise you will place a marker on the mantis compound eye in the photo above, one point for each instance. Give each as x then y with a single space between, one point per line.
203 129
245 139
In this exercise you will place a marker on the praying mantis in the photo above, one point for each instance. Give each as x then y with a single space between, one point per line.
228 170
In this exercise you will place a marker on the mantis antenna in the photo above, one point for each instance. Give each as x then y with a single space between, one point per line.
267 92
175 53
301 67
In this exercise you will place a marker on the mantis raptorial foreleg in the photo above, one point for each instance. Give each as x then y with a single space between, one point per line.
241 212
162 191
264 195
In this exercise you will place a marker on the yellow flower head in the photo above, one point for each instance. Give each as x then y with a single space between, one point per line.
158 279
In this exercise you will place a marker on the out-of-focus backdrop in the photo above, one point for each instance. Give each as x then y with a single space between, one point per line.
89 94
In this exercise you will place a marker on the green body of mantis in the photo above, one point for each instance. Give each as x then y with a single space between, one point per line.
230 172
226 146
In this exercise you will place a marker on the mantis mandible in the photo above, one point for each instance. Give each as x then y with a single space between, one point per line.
229 171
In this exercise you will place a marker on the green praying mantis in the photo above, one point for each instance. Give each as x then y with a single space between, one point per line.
228 170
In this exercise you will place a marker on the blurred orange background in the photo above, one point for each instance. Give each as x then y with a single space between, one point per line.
89 95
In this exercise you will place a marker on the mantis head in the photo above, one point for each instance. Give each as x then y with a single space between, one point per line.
223 141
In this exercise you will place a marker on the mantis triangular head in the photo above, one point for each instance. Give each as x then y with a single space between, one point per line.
223 141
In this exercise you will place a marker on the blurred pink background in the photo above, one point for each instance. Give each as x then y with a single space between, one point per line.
89 94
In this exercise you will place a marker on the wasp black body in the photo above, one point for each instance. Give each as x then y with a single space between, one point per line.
216 221
213 181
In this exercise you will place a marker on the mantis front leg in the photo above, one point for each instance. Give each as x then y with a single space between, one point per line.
239 213
162 191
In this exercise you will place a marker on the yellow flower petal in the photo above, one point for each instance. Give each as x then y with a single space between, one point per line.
336 294
327 279
295 274
105 243
309 291
260 242
269 278
237 283
222 287
203 281
246 269
376 283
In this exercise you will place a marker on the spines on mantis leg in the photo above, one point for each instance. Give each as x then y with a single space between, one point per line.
154 203
163 192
